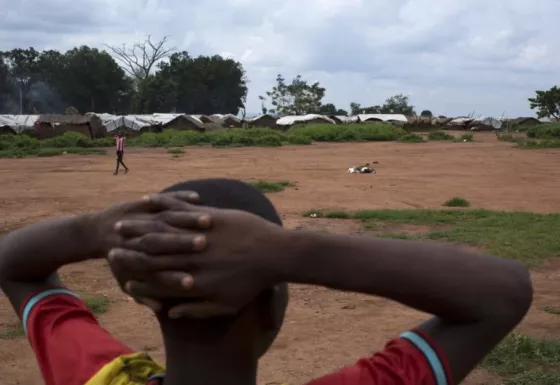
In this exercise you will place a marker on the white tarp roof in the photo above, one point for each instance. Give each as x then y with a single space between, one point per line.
460 121
346 119
253 118
289 120
134 122
488 121
19 123
384 117
104 117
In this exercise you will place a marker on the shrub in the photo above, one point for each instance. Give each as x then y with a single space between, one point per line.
545 131
68 139
103 142
268 141
175 151
440 135
412 138
536 144
348 132
298 139
457 202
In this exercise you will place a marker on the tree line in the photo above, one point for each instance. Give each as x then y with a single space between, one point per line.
89 79
136 80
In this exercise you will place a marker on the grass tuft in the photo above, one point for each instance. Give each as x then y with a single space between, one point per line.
97 305
271 187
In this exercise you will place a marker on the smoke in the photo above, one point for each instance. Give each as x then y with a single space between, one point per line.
44 99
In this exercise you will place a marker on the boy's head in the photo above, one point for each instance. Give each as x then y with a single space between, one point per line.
256 326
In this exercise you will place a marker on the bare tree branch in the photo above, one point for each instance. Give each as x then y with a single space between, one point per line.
139 60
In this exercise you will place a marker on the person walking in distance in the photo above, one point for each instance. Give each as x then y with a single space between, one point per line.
120 138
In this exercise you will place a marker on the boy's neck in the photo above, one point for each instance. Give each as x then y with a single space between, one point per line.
196 365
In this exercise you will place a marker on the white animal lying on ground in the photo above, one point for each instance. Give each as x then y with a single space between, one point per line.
363 169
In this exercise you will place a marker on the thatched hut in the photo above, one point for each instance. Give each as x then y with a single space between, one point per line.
513 124
48 126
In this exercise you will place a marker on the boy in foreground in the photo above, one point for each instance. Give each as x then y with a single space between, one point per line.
215 276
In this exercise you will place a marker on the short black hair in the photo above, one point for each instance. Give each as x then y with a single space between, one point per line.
233 194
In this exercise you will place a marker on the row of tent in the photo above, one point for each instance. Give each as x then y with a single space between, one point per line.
96 125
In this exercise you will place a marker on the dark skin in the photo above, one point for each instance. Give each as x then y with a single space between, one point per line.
476 299
31 256
233 268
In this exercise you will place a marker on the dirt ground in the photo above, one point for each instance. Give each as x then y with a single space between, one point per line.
316 338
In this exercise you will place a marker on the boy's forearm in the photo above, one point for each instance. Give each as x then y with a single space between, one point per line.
440 280
34 252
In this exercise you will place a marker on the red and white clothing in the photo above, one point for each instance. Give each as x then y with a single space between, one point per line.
71 347
120 143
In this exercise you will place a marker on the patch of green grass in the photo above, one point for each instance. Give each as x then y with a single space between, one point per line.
525 360
536 144
298 139
457 202
551 309
412 138
527 237
440 135
175 151
12 332
97 305
271 187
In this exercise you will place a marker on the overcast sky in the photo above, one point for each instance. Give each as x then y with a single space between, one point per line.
452 57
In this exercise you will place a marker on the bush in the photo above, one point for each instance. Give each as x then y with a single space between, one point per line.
268 141
457 202
412 138
271 187
103 142
440 135
298 139
68 139
545 131
348 132
11 142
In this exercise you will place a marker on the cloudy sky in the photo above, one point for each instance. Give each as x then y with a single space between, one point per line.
452 57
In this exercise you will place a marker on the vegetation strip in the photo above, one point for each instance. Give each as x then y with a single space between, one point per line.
527 237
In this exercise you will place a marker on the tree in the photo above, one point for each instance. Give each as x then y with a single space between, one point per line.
93 81
139 60
426 114
547 103
357 109
296 98
201 85
71 111
22 68
398 104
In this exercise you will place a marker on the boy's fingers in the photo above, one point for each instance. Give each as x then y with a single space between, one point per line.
164 284
185 196
167 202
187 220
154 305
197 310
167 243
137 227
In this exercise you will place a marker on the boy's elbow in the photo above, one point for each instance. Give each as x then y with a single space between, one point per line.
517 293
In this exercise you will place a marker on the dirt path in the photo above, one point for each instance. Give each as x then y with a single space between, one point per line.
489 173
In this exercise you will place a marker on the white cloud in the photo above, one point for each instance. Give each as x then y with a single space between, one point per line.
450 57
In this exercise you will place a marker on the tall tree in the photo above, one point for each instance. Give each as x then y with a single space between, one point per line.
201 85
139 60
93 81
426 114
547 103
296 98
22 69
398 104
